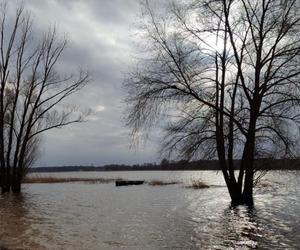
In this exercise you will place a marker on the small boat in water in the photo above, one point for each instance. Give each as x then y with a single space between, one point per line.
127 183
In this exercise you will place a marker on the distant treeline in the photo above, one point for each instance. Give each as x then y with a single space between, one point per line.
261 164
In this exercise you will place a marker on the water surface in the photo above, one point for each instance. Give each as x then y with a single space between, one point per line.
102 216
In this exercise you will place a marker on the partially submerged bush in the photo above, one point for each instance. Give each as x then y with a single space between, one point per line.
198 184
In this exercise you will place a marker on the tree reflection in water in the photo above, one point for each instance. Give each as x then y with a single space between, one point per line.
17 228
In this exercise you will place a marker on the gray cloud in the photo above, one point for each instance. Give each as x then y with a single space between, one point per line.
100 35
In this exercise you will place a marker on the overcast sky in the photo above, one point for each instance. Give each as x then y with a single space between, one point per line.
101 36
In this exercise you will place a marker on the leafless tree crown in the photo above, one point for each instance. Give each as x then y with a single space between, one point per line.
227 74
31 91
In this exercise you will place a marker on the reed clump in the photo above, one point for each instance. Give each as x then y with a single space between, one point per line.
162 183
52 179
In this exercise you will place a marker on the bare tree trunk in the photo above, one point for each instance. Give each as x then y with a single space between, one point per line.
2 159
16 184
248 162
248 182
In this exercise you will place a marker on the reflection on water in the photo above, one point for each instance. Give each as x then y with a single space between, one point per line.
102 216
16 223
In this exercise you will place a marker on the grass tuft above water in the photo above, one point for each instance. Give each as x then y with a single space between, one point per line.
162 183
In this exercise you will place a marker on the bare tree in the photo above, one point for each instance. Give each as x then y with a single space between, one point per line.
228 72
31 92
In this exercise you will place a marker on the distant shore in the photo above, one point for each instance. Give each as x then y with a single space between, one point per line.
205 165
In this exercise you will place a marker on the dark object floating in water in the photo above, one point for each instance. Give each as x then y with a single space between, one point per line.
127 183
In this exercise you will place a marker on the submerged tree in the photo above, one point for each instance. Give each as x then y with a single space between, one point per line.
227 74
31 92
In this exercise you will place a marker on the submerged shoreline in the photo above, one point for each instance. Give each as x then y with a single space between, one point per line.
196 184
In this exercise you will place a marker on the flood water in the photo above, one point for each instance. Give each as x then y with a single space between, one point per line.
102 216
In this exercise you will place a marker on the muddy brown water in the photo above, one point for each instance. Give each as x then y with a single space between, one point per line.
102 216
